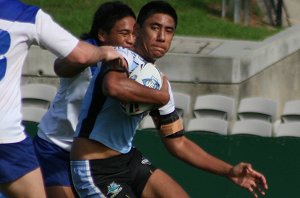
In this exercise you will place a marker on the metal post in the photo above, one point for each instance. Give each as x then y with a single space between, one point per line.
279 13
246 12
237 11
223 8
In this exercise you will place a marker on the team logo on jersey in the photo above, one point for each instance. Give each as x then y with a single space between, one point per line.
151 82
145 161
113 189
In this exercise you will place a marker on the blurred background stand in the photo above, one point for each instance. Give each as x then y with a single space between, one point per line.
240 10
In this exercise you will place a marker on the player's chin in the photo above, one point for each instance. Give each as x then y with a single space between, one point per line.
158 53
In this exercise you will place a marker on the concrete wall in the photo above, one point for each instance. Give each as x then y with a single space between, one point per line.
280 81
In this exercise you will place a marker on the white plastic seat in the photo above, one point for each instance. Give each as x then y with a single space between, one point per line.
291 111
36 94
208 124
33 114
182 103
252 127
147 123
218 106
257 108
291 129
31 118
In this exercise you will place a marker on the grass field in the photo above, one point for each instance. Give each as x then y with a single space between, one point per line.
196 18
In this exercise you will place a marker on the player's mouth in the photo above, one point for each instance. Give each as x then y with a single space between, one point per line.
129 47
158 49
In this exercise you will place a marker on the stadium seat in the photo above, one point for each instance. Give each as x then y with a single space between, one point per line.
291 111
31 117
291 129
182 103
39 95
257 108
217 106
208 124
147 123
252 127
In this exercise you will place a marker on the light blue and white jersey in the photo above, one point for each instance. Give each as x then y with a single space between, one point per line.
20 27
103 119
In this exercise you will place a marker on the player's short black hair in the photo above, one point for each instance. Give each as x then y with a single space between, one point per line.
154 7
106 16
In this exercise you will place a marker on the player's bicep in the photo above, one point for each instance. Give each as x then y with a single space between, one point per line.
112 74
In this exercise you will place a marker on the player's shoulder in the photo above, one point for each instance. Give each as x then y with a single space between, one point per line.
125 52
133 59
15 10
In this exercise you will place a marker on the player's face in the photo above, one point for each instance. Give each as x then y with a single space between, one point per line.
156 36
122 34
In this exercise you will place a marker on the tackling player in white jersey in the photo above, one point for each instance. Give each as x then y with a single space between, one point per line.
103 159
21 26
113 24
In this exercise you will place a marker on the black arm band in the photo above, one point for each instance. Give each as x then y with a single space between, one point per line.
169 125
163 119
175 135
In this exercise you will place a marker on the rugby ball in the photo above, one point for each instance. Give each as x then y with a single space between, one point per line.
147 75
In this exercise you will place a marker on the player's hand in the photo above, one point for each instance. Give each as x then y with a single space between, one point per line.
121 62
165 88
110 53
244 176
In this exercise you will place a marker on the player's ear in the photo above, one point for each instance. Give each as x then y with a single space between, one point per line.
101 36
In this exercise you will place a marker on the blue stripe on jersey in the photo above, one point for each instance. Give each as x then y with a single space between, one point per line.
97 102
14 10
93 42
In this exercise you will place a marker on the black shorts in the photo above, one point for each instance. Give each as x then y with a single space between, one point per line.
118 176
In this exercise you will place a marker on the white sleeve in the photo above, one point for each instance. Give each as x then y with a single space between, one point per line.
128 55
170 106
52 36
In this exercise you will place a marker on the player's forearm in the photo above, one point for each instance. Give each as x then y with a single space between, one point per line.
82 56
77 60
65 69
194 155
128 90
86 54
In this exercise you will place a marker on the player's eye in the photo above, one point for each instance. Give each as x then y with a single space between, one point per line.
155 27
170 30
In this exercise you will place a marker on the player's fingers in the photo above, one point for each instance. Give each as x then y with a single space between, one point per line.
256 186
111 53
251 190
260 190
123 62
260 178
